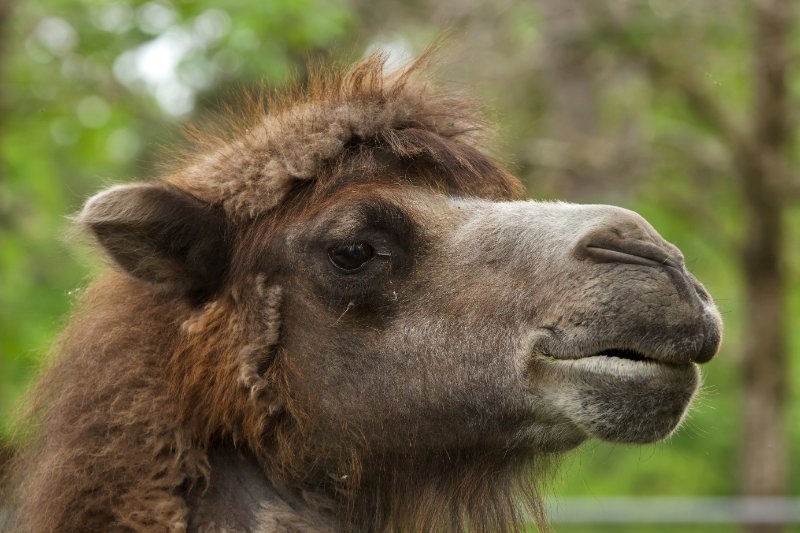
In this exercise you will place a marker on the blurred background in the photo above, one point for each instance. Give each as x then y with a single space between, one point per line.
684 110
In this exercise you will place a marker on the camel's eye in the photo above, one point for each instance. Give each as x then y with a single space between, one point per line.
351 257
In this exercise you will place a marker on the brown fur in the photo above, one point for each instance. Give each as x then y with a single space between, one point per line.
143 384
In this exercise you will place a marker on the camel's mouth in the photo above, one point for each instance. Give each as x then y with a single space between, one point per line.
619 394
620 399
681 345
634 355
626 356
621 362
623 353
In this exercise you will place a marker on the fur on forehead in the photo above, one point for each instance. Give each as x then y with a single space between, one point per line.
248 164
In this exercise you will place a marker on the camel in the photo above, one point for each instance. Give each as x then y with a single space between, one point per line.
339 313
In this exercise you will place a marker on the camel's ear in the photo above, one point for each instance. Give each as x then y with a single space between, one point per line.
160 234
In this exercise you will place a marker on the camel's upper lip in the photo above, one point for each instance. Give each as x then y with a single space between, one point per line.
556 344
691 342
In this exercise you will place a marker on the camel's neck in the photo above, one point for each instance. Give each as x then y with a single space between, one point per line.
441 494
239 497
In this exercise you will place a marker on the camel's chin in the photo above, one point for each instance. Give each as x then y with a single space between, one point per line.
621 400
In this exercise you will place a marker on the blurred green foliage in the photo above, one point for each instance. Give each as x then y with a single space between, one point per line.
85 104
86 100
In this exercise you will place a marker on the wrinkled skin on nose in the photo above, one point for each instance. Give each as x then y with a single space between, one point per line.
517 324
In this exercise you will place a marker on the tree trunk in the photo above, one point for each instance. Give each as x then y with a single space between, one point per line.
5 18
573 93
763 450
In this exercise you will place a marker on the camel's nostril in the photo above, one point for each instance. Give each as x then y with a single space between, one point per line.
636 252
627 244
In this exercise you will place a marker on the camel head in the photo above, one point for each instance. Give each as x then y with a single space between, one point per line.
356 284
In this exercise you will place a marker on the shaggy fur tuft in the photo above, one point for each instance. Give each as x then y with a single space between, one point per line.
299 134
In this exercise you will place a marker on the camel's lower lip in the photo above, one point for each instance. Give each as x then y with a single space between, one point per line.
619 356
612 366
642 401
